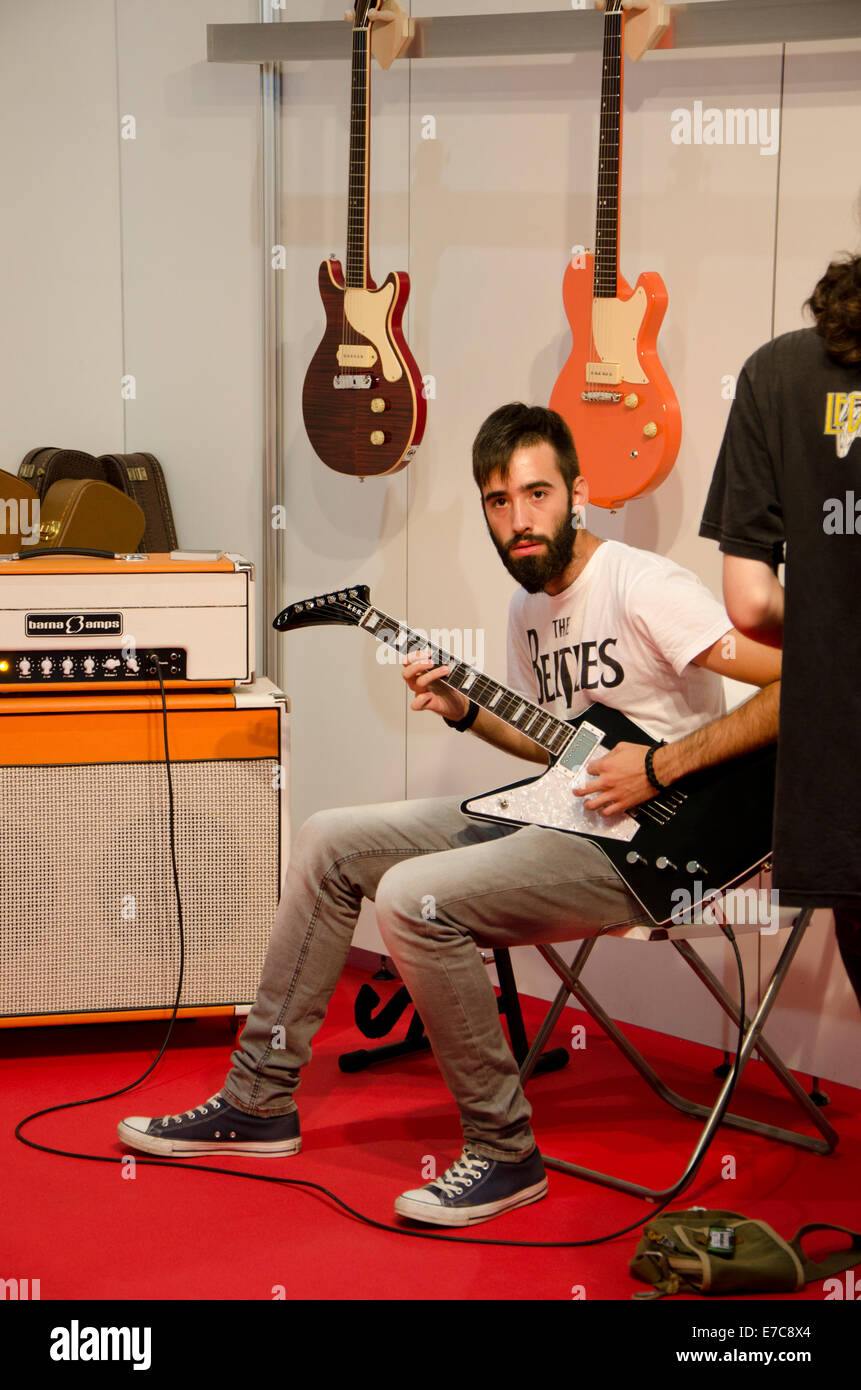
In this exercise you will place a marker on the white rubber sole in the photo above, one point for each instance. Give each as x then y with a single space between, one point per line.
195 1148
466 1216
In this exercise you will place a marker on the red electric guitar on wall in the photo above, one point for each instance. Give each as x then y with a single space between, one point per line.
613 391
362 401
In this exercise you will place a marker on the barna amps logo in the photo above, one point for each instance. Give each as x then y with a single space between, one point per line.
73 624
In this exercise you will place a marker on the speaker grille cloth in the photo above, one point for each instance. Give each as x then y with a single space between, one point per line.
89 919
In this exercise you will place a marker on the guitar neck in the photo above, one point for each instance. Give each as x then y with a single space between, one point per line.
606 279
545 729
357 269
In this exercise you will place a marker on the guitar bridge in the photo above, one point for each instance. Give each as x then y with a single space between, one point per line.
612 396
349 381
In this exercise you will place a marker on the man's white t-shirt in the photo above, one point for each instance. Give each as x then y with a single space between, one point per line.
623 634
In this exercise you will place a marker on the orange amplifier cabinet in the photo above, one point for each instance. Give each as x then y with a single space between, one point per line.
80 622
89 927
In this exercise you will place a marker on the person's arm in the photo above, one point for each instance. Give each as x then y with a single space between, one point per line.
754 599
424 681
621 780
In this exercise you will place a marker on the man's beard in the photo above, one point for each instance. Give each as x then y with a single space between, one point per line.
533 572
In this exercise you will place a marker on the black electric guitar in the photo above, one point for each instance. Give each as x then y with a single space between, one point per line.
706 833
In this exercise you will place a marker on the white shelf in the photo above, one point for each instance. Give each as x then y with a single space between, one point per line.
714 23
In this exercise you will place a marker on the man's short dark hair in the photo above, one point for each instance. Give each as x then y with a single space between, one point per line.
836 306
519 426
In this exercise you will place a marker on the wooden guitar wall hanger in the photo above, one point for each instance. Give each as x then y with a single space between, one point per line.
392 31
363 401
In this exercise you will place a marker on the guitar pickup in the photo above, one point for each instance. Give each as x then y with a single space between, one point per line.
359 355
612 396
350 381
609 372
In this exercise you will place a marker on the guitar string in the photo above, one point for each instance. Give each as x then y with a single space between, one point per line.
605 276
659 809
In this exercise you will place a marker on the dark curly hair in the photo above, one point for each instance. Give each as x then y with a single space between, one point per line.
836 306
517 426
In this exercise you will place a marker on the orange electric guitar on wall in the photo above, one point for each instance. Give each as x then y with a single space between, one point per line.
613 391
362 401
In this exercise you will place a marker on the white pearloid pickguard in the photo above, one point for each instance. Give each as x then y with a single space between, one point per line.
550 801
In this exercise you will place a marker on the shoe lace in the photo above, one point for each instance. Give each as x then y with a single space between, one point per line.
198 1110
464 1171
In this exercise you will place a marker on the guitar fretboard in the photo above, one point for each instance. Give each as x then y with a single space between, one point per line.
605 283
356 270
545 729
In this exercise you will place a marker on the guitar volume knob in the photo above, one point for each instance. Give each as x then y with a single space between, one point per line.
377 437
650 430
378 405
632 401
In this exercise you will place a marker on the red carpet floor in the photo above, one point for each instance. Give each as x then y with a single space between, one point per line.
90 1230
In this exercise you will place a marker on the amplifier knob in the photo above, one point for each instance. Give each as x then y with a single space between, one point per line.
662 862
378 437
47 666
24 666
632 857
693 866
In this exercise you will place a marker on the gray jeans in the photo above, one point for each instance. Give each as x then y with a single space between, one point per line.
442 884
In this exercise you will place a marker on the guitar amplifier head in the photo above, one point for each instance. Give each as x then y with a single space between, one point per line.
90 929
80 622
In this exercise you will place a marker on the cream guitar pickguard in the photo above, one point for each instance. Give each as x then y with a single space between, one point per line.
615 328
367 311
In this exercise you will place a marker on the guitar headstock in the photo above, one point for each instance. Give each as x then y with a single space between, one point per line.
346 607
361 11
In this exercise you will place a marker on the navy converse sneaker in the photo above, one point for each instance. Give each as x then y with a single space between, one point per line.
475 1188
215 1127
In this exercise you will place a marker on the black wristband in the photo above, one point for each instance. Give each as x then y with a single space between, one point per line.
468 719
650 771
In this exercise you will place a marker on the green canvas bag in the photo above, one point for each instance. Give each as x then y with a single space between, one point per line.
720 1252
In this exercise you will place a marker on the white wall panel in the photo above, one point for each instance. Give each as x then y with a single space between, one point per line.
60 270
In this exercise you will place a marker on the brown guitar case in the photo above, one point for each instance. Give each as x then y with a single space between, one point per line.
82 513
139 476
14 492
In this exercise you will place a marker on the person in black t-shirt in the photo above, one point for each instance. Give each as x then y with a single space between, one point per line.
789 474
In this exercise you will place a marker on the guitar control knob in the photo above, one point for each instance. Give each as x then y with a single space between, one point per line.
378 405
650 430
378 437
662 862
632 401
693 866
632 857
